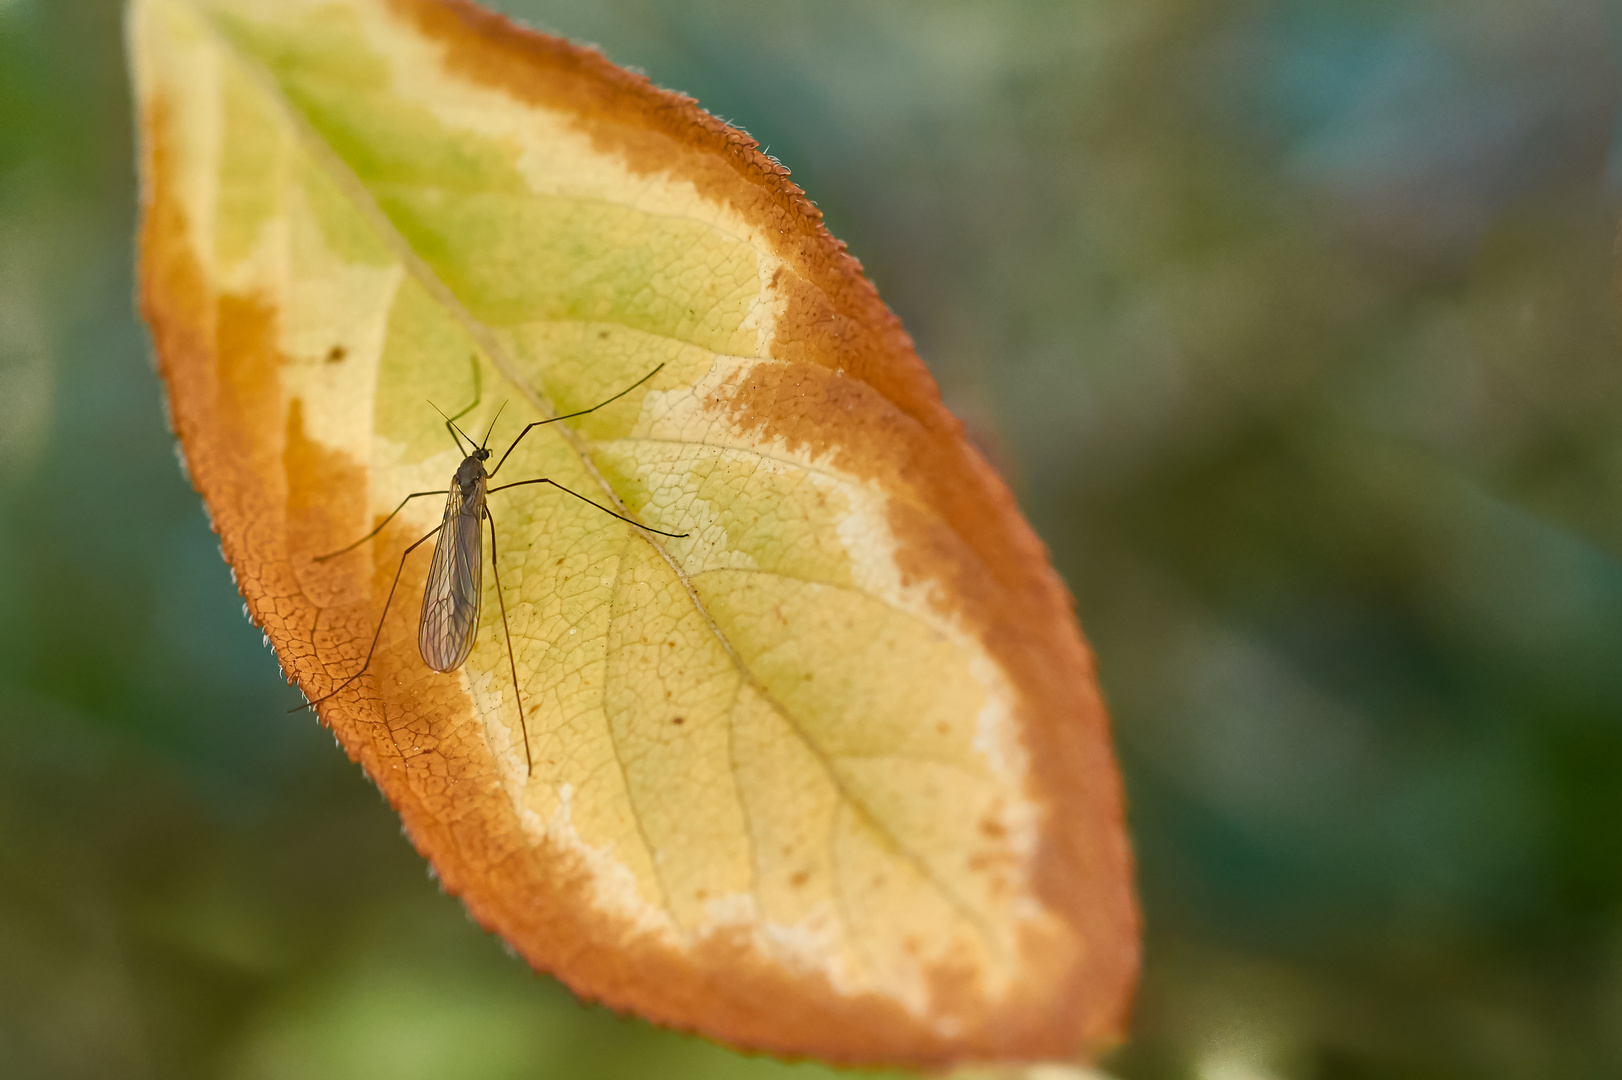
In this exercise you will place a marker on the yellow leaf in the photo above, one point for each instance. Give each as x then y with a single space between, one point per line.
827 775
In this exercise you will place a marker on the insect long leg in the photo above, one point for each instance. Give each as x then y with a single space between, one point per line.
582 498
380 620
571 416
495 567
374 532
478 389
457 434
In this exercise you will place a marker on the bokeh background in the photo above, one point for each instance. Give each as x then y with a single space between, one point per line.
1293 323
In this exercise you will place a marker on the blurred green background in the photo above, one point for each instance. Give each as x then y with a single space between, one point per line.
1293 323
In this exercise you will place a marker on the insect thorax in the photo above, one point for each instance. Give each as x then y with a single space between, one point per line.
469 475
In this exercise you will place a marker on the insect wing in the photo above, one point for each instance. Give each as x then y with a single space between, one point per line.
450 602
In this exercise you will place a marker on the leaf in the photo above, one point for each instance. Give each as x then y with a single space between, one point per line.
831 774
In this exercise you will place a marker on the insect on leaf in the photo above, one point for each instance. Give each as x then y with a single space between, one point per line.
827 775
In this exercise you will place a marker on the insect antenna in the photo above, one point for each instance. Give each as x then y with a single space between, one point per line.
492 426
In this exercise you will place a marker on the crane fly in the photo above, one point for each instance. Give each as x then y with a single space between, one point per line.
450 600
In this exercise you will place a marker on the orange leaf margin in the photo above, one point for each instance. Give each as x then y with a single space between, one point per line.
848 357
